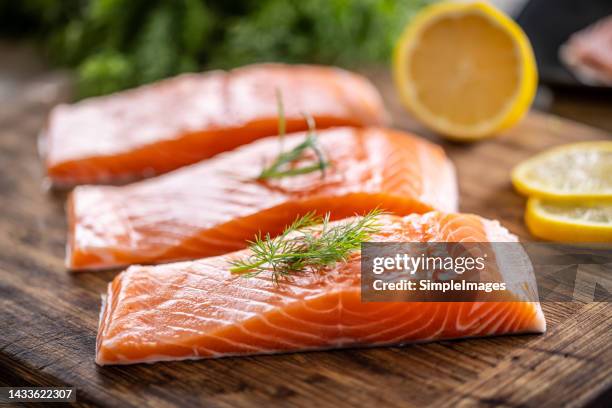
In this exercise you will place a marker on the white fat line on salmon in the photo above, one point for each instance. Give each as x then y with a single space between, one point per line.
412 264
428 285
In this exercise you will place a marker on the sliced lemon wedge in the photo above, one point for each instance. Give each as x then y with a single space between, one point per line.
465 70
575 172
569 222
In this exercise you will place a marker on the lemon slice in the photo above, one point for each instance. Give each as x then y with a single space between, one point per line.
575 172
465 70
569 222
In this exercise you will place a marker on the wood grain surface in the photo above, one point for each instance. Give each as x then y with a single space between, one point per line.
48 317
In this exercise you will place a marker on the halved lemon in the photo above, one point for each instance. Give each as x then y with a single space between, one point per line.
465 70
569 222
574 172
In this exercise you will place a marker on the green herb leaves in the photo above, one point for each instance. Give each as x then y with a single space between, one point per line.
121 44
301 248
282 165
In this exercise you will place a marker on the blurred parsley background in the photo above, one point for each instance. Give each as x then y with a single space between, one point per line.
117 44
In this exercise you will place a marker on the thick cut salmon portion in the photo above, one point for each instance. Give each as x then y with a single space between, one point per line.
160 127
198 309
214 207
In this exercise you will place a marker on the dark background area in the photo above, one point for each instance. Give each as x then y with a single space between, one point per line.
549 23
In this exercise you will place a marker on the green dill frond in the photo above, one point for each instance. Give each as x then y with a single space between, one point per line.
301 248
281 166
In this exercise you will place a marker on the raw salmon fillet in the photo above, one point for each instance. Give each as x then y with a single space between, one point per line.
214 207
198 309
163 126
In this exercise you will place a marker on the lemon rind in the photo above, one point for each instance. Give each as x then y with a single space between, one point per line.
522 185
561 229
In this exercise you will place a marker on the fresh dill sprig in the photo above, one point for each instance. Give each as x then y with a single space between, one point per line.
281 165
302 249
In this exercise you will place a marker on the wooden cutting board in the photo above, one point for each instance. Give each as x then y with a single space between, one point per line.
48 317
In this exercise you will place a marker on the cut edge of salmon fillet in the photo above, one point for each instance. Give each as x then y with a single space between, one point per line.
538 326
106 259
229 340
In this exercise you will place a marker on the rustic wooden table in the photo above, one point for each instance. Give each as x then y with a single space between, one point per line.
48 317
